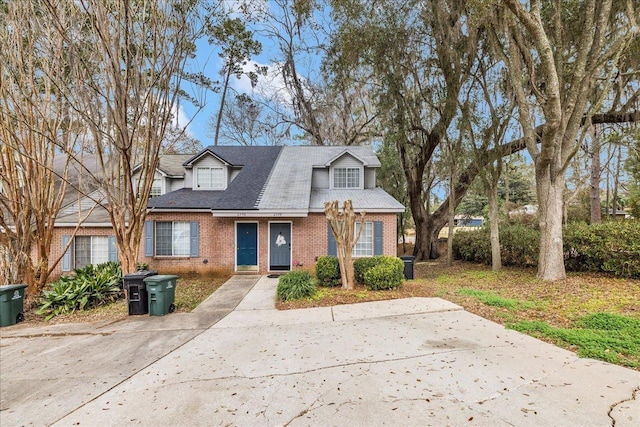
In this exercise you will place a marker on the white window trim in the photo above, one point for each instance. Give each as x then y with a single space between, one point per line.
224 178
360 178
173 255
91 254
163 187
373 239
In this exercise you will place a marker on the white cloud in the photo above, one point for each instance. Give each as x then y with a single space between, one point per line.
270 86
181 119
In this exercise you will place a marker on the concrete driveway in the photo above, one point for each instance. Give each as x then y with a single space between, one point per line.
418 361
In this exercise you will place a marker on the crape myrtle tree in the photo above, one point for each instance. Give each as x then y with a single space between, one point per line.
126 63
36 123
342 220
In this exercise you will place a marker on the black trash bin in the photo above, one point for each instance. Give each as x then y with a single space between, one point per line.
408 266
137 291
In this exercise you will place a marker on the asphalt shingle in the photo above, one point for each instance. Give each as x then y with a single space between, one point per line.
289 185
243 192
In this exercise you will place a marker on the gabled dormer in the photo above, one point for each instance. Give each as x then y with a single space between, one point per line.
208 171
167 177
346 171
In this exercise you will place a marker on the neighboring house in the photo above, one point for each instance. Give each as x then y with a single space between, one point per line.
245 209
462 223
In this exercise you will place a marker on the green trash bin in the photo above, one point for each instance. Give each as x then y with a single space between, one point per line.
161 291
11 304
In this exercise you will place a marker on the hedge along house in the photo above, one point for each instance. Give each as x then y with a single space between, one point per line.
261 209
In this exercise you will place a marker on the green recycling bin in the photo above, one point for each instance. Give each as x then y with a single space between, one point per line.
161 291
11 304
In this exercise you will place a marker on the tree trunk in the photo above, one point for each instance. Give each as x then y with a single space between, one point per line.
221 110
343 223
616 183
496 258
452 214
551 255
421 249
594 188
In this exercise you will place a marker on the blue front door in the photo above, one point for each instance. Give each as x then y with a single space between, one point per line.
247 246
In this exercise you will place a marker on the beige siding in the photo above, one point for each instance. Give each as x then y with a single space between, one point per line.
369 178
347 161
320 178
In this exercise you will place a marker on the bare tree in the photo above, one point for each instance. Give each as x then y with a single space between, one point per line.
126 61
330 105
343 224
35 124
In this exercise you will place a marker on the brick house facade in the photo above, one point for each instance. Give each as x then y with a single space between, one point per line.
248 209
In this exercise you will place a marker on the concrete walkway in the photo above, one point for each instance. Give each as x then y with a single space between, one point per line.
418 361
48 372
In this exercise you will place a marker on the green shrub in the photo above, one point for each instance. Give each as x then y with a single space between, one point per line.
612 247
472 246
519 245
328 271
362 265
296 285
388 273
86 288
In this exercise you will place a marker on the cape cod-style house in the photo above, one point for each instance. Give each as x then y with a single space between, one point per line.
245 209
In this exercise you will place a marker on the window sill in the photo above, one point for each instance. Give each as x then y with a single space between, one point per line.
176 257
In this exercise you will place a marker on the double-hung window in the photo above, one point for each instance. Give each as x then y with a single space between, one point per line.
364 246
172 238
156 187
210 178
346 178
89 250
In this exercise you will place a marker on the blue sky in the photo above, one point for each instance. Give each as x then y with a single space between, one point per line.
271 86
208 62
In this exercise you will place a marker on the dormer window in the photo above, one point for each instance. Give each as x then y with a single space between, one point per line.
212 178
156 187
346 178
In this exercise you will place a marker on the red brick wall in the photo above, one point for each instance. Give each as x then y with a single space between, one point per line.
217 241
310 236
56 245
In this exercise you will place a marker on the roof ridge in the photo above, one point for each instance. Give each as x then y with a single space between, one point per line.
266 181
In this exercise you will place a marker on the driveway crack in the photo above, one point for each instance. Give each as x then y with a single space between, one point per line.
634 394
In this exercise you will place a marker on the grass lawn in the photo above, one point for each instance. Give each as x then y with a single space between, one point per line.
594 315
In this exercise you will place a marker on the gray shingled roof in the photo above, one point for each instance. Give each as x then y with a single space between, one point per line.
289 186
99 215
243 192
270 178
171 164
186 198
370 200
